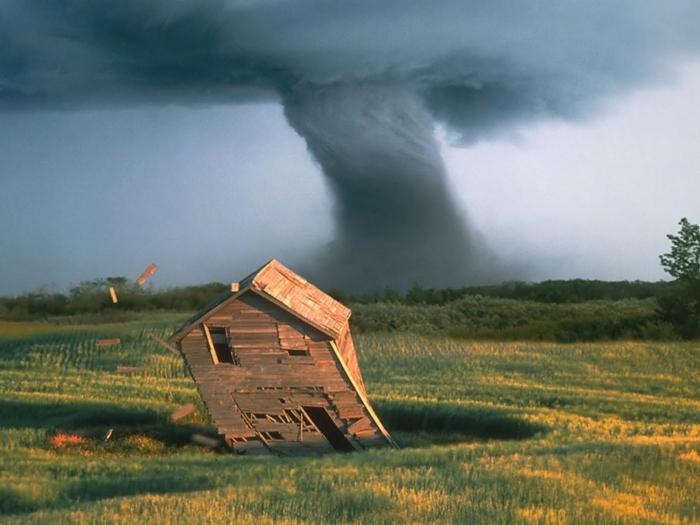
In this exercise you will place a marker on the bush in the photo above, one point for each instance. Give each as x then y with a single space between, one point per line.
680 307
476 317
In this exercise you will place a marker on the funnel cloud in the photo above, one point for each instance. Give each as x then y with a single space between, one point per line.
364 83
395 217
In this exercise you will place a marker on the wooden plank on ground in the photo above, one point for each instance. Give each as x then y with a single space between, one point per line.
183 411
129 369
205 441
108 342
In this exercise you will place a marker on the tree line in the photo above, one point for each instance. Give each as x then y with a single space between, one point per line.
93 296
661 308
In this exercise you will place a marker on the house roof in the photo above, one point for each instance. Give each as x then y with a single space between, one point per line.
293 293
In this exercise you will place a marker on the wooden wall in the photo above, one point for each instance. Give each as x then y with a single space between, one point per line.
256 405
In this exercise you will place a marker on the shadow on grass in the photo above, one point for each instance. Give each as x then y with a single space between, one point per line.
414 423
93 420
135 431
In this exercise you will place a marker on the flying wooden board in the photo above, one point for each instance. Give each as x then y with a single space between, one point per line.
147 273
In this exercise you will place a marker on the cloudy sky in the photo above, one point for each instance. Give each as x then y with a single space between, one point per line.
466 160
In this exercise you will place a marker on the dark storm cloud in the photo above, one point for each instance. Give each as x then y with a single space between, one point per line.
395 218
363 82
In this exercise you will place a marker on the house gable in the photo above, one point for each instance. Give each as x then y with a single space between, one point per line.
219 308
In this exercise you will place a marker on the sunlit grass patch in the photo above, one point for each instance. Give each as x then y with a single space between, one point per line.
492 433
537 515
691 455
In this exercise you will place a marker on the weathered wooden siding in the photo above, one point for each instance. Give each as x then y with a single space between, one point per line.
346 348
256 404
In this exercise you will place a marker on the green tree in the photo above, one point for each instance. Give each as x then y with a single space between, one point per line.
683 261
681 307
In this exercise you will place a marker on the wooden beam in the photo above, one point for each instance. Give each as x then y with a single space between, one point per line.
363 397
164 344
301 424
251 426
212 351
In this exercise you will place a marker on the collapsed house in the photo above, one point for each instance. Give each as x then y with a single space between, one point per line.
275 365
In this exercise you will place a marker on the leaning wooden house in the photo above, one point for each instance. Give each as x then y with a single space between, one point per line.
275 364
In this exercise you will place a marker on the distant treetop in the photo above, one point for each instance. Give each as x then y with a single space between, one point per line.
683 261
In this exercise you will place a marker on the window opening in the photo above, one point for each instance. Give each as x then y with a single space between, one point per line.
220 342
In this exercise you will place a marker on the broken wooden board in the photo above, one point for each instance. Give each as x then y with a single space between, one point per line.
183 411
129 369
147 273
205 441
164 344
108 342
359 426
113 295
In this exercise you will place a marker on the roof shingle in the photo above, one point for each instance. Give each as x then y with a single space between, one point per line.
301 297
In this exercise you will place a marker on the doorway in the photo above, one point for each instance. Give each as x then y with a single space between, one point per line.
327 427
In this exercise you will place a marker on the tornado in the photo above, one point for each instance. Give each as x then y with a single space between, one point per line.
364 83
396 220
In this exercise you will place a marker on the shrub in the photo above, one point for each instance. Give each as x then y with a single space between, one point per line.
477 317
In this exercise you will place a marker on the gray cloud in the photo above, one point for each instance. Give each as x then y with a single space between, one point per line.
363 82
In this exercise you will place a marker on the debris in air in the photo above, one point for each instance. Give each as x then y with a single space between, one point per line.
147 273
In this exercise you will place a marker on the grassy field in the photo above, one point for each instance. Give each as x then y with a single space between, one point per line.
491 433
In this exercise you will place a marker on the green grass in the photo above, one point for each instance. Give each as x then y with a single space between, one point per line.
490 432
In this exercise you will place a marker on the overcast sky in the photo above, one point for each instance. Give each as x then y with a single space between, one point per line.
377 143
595 198
208 196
